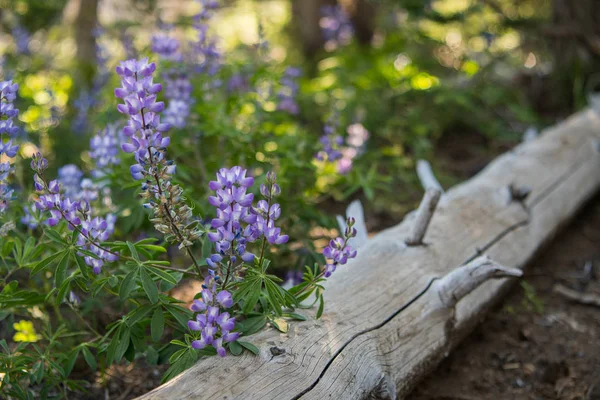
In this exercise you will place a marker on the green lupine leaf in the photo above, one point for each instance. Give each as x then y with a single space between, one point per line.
128 285
61 269
157 324
149 286
89 357
46 262
250 347
235 348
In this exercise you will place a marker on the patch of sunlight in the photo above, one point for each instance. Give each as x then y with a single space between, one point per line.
470 67
327 81
260 156
423 81
269 106
449 7
31 115
28 149
477 44
327 63
393 151
508 41
247 109
270 146
41 97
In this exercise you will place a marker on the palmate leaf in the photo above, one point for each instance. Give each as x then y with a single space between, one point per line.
258 283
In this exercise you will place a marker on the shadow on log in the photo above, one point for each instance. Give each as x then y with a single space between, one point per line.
388 320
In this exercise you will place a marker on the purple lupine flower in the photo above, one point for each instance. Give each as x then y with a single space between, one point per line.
209 57
172 216
74 299
31 219
89 191
330 141
233 216
289 90
238 83
267 212
214 325
77 214
8 93
338 252
166 47
69 176
21 38
335 27
104 150
178 91
128 46
355 144
94 231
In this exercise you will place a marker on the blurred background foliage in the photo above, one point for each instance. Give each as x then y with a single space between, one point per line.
453 81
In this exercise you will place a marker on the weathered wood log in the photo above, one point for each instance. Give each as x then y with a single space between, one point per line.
385 325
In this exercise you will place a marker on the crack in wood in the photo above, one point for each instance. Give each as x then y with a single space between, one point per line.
537 200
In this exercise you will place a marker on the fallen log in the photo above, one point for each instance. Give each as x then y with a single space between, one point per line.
393 313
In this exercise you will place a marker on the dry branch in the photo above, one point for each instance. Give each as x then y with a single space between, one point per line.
384 327
579 297
427 177
423 217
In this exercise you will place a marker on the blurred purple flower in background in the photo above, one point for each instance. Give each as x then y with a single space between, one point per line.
289 90
330 141
69 177
21 37
104 150
208 55
355 146
8 93
178 91
335 27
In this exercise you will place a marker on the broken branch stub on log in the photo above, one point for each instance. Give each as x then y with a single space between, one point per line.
463 280
423 217
427 177
383 328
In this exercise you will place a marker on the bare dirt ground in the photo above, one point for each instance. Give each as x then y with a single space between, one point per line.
536 344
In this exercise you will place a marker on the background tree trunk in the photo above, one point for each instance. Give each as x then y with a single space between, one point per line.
363 14
85 23
575 40
305 17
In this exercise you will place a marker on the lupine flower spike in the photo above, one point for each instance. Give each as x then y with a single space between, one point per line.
338 252
214 325
171 215
77 214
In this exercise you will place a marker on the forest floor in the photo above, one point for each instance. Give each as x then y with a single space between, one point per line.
536 344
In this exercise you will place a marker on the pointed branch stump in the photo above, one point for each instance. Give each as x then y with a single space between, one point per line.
392 314
427 177
423 216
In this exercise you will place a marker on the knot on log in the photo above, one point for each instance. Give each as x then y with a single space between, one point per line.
518 193
463 280
384 390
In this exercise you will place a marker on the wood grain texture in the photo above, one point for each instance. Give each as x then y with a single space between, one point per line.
384 326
